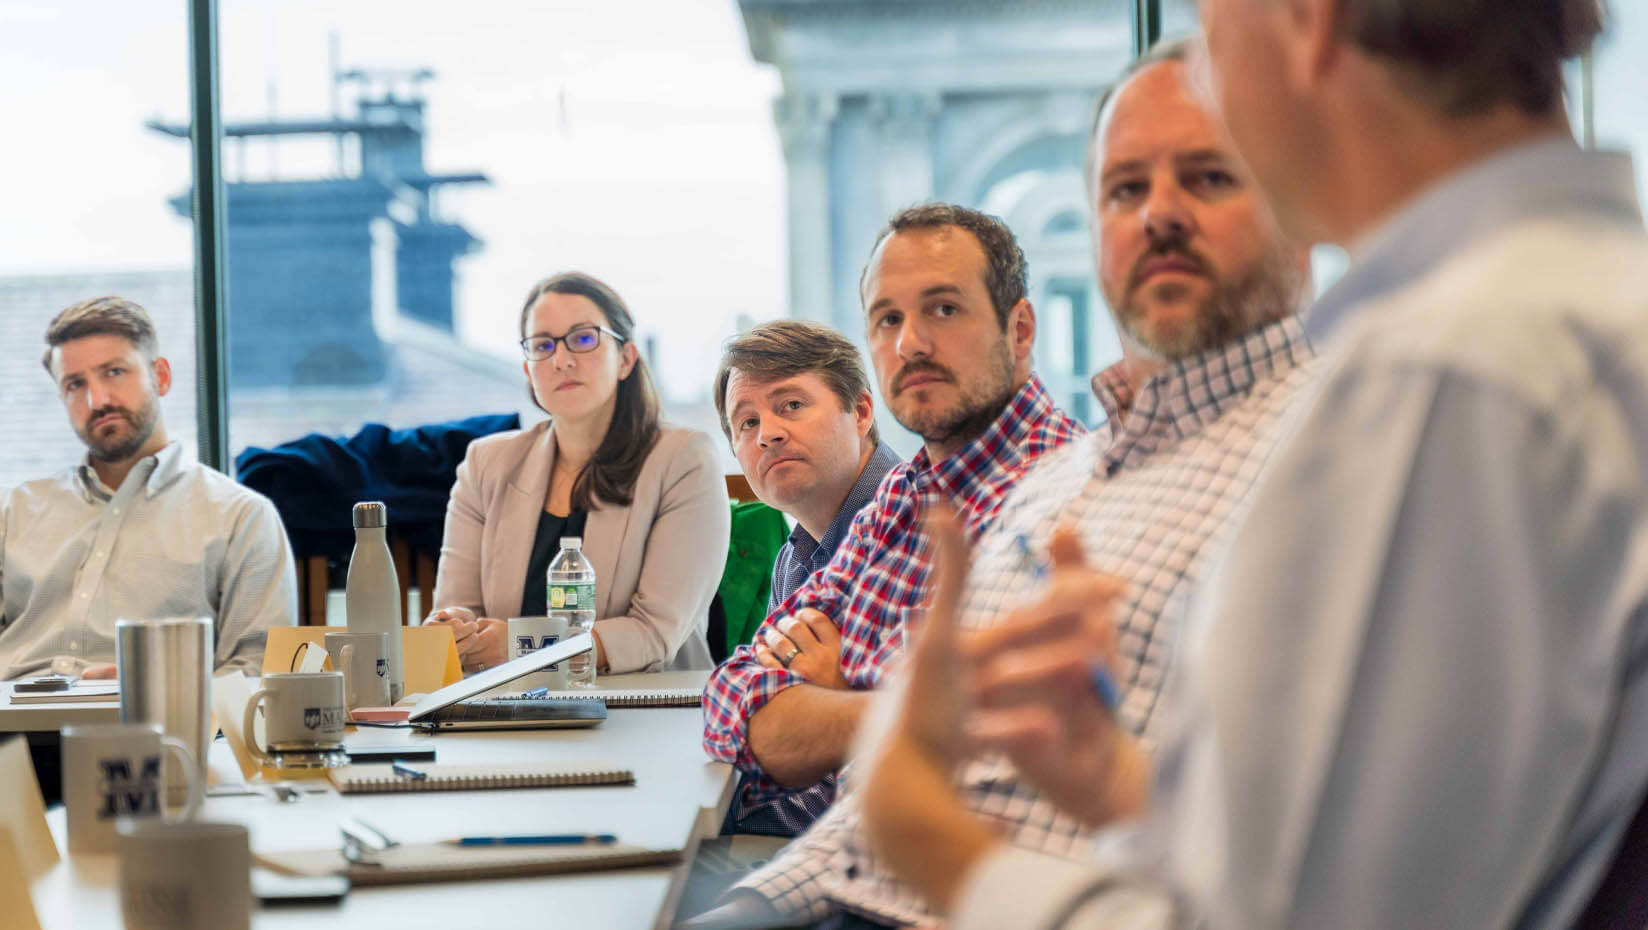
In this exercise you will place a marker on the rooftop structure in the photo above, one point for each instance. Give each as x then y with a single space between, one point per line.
321 270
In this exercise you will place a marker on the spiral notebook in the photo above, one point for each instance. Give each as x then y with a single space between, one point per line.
373 778
638 697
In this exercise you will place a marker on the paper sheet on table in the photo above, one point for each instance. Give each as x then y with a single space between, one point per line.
16 906
22 812
439 862
429 653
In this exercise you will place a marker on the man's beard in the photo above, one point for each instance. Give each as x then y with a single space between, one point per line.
116 449
1265 294
982 400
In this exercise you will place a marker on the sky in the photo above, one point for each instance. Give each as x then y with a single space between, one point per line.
629 139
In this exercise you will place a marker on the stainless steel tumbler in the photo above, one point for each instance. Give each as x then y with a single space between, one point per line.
165 669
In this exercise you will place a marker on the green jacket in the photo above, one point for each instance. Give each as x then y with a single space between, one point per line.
758 532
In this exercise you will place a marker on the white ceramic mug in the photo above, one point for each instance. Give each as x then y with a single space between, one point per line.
530 634
302 712
185 876
364 660
113 772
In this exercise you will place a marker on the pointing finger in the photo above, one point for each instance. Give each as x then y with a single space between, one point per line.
1065 548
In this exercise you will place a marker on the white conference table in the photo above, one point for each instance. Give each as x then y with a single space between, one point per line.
41 718
678 798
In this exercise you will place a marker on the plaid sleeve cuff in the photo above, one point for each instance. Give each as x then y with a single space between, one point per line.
737 689
791 880
793 897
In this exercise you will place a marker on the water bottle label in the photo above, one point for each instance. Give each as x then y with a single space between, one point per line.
571 597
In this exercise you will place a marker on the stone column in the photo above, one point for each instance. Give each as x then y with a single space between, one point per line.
904 125
804 121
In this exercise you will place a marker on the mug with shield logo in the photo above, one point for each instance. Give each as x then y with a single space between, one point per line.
304 717
363 658
113 772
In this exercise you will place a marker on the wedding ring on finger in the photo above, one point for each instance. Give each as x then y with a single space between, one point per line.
789 657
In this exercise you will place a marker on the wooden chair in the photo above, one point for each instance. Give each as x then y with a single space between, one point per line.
313 584
411 568
738 488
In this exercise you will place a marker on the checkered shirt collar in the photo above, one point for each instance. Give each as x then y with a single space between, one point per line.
1183 399
976 464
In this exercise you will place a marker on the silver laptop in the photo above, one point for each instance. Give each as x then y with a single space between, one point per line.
450 708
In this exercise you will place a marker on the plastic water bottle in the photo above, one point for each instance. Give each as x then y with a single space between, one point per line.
373 592
572 595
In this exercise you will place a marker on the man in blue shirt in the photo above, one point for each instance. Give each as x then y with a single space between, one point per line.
795 404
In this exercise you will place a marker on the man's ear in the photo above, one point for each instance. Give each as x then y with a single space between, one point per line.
1021 329
1310 38
162 375
864 414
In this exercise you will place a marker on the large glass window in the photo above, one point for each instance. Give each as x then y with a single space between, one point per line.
1619 87
85 204
399 176
987 105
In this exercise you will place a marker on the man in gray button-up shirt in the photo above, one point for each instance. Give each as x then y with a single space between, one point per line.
1415 694
135 530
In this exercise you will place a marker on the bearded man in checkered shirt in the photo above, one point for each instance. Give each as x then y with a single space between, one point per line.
949 333
1203 289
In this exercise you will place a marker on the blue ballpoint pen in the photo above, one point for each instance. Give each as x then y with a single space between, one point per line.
401 768
1103 684
551 839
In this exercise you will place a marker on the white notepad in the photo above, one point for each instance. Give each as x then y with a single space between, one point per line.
87 691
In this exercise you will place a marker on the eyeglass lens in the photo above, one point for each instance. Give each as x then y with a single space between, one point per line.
581 339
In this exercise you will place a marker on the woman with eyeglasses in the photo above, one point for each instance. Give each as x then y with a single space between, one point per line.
649 500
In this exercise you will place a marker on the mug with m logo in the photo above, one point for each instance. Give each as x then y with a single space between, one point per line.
113 772
530 634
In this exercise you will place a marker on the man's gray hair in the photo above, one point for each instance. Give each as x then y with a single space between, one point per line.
1467 56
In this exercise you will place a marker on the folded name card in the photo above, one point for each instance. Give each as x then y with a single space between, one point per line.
429 653
16 906
23 812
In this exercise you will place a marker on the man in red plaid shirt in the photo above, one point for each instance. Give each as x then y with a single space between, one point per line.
950 332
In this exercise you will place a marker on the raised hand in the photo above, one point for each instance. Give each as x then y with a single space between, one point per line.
914 818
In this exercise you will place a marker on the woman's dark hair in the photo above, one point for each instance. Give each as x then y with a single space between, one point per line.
610 474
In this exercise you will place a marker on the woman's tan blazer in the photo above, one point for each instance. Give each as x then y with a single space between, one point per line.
657 562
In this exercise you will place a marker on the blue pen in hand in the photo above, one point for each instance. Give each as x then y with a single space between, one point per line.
549 839
401 768
1104 684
